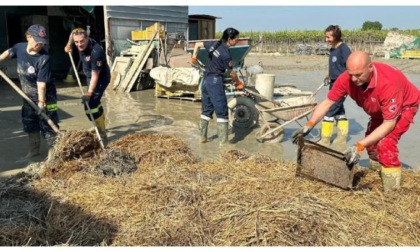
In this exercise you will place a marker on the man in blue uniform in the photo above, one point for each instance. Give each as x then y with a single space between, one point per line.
213 97
34 70
97 72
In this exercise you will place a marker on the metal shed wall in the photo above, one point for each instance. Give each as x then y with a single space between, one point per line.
124 19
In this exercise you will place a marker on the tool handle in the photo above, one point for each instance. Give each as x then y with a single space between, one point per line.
317 90
87 103
31 103
75 72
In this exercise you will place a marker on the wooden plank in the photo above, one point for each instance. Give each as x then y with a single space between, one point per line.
119 70
131 72
141 65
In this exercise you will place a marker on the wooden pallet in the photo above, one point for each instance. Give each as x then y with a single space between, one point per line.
178 91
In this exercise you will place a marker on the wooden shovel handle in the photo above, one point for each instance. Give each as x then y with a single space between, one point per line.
33 105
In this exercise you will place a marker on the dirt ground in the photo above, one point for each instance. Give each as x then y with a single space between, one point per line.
142 111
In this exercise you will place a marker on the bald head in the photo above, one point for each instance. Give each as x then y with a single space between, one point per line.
359 67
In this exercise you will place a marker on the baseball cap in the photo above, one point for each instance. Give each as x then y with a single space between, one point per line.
39 33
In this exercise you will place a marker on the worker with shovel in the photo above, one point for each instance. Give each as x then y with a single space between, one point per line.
213 97
390 99
34 70
97 72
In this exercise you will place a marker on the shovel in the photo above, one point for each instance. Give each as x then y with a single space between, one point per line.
86 103
31 103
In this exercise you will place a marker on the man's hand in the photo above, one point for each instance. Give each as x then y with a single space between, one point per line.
86 97
353 153
240 85
42 105
327 80
68 48
193 60
302 131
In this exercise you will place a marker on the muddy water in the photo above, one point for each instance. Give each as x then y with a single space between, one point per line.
142 111
310 80
181 118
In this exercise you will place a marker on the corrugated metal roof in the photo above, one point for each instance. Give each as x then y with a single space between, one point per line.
176 14
203 16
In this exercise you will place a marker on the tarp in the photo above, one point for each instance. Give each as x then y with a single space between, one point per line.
89 9
167 76
415 45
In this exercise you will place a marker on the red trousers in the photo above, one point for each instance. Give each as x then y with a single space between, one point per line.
386 150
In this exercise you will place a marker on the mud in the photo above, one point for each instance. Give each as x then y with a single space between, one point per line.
142 111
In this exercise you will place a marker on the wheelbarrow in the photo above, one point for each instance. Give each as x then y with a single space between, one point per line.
246 109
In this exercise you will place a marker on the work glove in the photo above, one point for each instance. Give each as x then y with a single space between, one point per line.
302 131
353 153
42 106
327 80
86 97
240 85
193 60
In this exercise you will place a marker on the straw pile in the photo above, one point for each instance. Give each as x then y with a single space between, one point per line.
174 200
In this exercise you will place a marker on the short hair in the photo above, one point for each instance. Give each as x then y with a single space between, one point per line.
79 31
336 31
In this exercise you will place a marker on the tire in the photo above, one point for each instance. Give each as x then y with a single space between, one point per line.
275 137
242 112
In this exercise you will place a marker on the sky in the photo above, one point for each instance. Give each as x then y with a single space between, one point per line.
305 17
279 15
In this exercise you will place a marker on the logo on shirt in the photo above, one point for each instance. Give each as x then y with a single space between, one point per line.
42 33
393 108
334 59
87 58
99 63
31 70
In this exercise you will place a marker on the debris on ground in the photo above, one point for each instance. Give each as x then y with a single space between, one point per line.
173 199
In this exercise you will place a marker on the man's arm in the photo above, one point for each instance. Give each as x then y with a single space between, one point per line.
42 90
68 47
4 55
321 110
379 133
93 81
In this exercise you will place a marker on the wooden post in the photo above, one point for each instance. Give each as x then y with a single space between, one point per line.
108 45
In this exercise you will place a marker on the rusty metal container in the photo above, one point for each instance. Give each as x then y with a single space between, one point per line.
323 164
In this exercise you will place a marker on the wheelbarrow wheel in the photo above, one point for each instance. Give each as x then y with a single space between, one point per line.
274 137
242 112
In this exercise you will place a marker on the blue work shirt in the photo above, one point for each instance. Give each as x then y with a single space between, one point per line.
32 69
337 60
94 59
219 60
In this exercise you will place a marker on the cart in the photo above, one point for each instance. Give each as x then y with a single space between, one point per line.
250 108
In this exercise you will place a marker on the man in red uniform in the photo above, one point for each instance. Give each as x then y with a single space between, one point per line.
388 97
